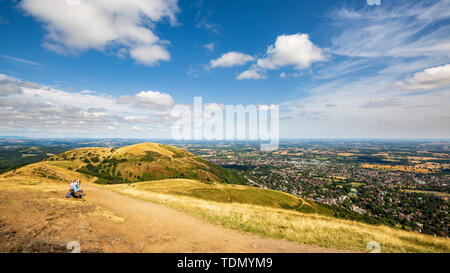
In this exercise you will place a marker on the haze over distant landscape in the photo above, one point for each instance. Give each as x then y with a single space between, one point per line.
338 69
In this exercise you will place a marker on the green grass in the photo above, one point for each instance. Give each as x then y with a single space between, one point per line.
442 194
226 193
221 192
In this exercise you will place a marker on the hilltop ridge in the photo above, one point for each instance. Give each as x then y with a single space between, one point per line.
144 162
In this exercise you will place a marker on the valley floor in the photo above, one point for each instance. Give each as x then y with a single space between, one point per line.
38 218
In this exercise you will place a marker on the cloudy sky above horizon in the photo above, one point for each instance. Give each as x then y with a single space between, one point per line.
115 68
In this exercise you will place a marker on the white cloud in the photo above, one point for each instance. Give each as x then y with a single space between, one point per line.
42 111
20 60
371 50
192 71
381 102
396 29
136 128
210 47
98 24
7 89
231 59
431 78
148 99
57 48
150 55
202 19
9 85
292 50
289 50
87 92
253 73
137 119
411 115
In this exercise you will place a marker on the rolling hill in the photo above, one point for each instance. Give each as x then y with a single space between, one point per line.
143 162
172 171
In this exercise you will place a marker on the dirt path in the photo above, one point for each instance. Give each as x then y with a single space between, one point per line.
168 230
40 219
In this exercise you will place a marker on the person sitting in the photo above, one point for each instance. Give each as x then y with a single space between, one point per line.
75 189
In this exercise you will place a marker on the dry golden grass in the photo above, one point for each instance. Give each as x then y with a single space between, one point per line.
145 161
312 229
226 193
47 172
347 154
444 194
422 158
140 149
303 228
402 168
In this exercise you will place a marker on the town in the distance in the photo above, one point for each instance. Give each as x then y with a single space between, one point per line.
400 183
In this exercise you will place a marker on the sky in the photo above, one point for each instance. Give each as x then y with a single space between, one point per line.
115 68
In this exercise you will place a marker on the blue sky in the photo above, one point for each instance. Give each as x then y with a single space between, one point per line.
336 68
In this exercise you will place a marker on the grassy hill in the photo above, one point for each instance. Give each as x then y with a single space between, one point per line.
173 171
266 217
228 193
144 162
224 193
178 179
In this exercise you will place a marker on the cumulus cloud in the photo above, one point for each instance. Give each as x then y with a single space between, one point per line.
148 99
34 109
253 73
431 78
125 25
292 50
9 85
230 59
150 55
7 89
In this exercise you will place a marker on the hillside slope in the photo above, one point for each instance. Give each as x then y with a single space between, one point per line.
171 170
110 222
144 162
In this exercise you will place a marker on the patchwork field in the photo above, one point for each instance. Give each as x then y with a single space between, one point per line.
402 168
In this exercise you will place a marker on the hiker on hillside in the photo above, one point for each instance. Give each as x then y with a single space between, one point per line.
75 190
